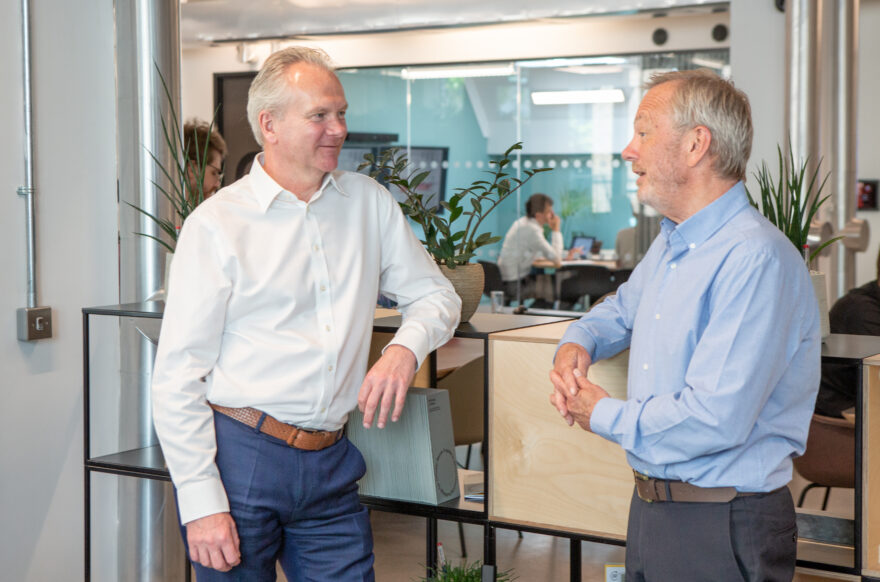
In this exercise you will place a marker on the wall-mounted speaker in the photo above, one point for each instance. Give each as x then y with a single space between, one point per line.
660 36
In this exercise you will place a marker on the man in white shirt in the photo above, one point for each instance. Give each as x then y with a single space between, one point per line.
524 243
268 321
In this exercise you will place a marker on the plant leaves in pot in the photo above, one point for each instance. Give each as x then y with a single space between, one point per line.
452 237
182 182
791 202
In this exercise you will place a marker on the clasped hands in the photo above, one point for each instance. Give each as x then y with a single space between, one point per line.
573 395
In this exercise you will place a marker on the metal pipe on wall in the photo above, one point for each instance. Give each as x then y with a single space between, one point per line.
28 189
33 323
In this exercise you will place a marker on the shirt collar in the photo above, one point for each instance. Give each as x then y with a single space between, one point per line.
266 189
698 228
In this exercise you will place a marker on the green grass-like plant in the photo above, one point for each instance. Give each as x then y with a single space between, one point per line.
792 200
183 195
444 239
466 573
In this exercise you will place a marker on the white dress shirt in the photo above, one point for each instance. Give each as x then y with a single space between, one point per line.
523 243
270 305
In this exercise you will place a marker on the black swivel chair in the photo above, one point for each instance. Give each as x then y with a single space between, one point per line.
492 279
592 281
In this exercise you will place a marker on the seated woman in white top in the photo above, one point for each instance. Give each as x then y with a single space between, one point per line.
525 242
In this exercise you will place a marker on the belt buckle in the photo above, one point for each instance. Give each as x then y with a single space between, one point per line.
645 478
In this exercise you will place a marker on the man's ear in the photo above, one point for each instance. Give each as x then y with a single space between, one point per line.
267 126
697 141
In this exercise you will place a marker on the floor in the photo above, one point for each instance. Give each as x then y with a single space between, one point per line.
400 547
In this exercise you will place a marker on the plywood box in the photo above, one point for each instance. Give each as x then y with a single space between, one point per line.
545 473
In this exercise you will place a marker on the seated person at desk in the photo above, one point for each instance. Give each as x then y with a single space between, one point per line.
856 313
525 242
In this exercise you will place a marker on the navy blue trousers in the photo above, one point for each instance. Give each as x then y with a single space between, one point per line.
297 508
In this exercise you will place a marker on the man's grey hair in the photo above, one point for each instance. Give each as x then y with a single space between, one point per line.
269 90
703 98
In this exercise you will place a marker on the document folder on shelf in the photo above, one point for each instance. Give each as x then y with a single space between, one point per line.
412 459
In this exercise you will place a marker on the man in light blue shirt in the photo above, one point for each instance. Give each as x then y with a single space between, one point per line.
723 330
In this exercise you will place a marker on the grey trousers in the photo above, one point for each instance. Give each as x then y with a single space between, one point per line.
752 538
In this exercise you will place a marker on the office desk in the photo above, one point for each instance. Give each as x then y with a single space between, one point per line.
559 271
548 264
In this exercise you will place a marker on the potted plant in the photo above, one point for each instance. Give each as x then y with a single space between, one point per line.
791 202
452 237
466 573
183 192
184 181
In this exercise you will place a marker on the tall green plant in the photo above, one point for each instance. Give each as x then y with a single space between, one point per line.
792 200
447 244
572 201
183 193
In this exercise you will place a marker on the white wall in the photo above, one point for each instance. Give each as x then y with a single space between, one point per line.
868 129
757 64
41 492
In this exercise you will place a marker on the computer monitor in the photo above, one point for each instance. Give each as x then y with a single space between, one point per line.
584 242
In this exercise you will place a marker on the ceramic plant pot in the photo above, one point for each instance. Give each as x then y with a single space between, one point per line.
468 283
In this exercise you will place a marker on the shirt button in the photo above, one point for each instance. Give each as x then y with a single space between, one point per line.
672 266
692 245
324 409
329 368
316 247
327 327
657 316
323 287
644 366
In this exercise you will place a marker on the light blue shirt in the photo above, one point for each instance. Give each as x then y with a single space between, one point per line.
723 329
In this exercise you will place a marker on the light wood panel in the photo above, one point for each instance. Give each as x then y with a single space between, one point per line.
871 468
550 333
545 473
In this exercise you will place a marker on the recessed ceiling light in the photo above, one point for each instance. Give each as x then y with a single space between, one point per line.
576 97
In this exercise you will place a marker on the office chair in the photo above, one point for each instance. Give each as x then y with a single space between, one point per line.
465 386
491 278
830 458
592 281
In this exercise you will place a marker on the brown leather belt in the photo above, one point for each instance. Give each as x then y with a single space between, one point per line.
651 490
300 438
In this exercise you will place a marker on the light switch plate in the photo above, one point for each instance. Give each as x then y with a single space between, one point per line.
34 323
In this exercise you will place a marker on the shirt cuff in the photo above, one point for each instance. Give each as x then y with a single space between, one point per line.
577 335
605 414
201 499
412 339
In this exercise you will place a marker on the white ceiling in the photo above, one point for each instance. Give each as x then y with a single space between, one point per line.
206 21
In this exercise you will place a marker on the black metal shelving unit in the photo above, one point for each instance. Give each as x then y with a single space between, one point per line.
149 463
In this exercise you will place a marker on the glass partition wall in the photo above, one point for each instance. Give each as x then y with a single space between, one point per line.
573 115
